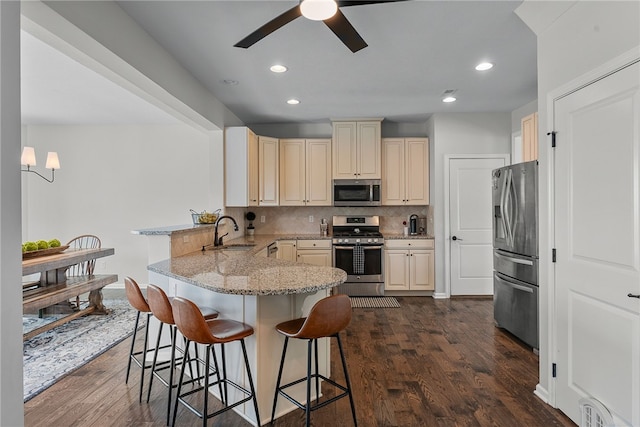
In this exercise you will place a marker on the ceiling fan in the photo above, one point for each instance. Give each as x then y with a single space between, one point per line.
327 11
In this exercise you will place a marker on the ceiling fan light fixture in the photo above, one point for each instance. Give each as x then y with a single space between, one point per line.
448 99
293 101
318 10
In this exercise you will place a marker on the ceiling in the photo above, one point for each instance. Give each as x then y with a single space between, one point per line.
417 50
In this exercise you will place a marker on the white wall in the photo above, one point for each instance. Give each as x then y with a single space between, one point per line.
464 133
573 39
11 413
114 179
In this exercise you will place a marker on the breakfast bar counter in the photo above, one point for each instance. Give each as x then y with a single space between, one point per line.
259 291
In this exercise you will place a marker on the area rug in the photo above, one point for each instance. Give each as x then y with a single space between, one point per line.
374 302
55 353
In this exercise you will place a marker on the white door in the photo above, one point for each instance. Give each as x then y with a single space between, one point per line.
597 223
470 221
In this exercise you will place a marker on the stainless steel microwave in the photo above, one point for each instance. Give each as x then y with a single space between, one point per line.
356 192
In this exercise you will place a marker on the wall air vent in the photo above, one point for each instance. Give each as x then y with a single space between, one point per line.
594 414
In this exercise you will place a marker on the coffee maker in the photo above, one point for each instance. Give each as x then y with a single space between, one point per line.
413 225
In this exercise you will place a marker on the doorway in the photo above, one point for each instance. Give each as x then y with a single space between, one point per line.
468 246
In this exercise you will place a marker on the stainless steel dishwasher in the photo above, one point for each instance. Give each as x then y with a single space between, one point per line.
272 250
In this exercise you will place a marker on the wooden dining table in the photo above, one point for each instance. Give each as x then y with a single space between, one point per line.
53 286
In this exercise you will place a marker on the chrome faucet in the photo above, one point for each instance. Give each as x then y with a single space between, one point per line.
217 241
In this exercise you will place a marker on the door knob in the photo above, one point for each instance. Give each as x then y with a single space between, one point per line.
455 238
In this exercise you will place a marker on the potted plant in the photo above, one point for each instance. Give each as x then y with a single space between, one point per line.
250 216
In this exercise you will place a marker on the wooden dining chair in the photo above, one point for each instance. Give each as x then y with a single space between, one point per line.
85 241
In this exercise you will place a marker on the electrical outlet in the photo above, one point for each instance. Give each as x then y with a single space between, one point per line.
262 219
310 218
185 239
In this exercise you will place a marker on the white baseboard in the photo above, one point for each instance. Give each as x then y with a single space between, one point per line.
542 393
440 295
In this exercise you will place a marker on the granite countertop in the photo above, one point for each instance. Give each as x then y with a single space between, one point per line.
169 230
403 237
239 271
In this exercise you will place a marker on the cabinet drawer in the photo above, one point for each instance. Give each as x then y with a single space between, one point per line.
314 244
409 243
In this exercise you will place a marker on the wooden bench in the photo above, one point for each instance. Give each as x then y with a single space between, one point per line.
36 298
54 287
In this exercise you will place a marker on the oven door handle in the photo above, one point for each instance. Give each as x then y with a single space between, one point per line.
366 248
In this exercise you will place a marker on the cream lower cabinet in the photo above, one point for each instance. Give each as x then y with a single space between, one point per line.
315 252
268 167
305 172
409 265
405 171
287 250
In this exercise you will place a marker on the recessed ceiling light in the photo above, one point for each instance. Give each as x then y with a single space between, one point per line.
230 82
484 66
293 102
277 68
449 99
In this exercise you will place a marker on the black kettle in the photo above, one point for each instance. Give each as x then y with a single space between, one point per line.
413 224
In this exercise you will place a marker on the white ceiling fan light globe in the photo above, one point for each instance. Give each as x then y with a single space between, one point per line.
318 10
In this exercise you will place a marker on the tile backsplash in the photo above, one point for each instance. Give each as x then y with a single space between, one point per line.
295 219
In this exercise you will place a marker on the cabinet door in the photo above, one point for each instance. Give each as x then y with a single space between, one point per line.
421 270
396 270
320 257
368 165
530 137
254 192
292 172
318 176
268 170
417 171
344 150
287 250
393 175
237 159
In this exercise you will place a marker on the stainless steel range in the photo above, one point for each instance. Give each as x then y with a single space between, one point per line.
358 249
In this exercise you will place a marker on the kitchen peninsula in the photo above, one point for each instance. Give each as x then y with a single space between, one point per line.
244 285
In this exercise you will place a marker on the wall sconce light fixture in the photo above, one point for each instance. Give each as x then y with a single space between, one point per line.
28 159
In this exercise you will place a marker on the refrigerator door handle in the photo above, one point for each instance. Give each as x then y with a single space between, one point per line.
506 207
511 282
516 260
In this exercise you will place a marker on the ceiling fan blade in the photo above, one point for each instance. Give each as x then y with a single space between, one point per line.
269 27
346 3
342 28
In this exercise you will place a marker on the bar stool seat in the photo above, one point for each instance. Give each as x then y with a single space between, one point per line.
326 319
193 326
160 305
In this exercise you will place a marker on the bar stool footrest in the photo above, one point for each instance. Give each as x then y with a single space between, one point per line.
318 405
220 411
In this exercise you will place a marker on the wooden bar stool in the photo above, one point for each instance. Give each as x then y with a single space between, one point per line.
196 329
326 319
161 308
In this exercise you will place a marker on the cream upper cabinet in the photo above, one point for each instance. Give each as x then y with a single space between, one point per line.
409 265
530 137
268 161
405 171
305 172
356 149
241 167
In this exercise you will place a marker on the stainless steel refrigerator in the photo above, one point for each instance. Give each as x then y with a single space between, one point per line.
515 250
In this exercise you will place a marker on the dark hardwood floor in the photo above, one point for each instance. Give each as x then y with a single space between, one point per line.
428 363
